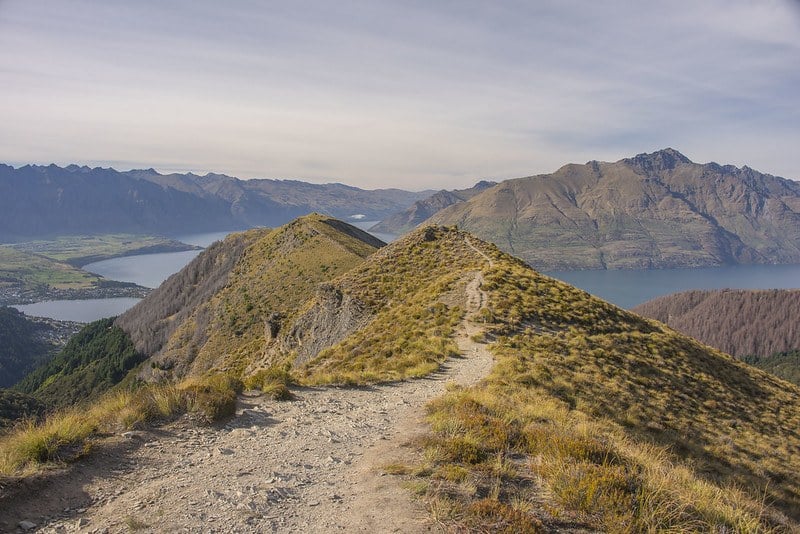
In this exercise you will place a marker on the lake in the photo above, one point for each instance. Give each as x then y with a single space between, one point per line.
82 311
150 270
623 288
147 270
633 287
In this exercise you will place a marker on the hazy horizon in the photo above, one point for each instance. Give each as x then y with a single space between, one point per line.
410 95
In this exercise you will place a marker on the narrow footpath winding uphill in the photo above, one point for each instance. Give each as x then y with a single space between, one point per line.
314 464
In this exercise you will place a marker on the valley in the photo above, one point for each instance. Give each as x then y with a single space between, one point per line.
79 251
400 267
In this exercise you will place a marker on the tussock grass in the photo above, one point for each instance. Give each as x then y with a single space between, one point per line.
67 434
278 272
595 417
495 450
409 286
272 381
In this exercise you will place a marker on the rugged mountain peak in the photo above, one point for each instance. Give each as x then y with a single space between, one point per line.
655 210
422 210
661 160
484 184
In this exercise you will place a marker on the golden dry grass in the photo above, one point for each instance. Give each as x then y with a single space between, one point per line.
67 434
597 417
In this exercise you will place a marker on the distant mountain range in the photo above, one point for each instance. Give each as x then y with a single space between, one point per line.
422 210
654 210
40 201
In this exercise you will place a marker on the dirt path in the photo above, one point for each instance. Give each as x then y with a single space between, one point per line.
310 465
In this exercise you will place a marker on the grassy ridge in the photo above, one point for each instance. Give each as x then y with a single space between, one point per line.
405 284
622 423
592 417
277 273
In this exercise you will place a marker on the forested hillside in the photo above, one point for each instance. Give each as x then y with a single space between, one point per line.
94 360
24 344
737 321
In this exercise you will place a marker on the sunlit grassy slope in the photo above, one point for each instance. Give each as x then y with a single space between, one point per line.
414 287
627 424
258 274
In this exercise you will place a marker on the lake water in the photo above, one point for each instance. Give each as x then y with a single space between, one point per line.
631 288
82 311
150 270
366 225
147 270
623 288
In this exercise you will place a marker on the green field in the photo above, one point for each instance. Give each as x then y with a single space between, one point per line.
27 271
80 250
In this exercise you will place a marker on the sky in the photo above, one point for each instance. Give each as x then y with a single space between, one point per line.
410 94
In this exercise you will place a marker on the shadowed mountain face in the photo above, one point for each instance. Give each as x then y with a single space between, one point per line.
655 210
424 209
45 201
24 344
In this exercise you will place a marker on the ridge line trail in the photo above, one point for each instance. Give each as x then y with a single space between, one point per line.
309 465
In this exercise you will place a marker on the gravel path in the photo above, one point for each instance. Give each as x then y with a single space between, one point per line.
309 465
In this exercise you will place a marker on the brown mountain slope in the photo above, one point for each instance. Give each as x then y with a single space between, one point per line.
653 210
738 321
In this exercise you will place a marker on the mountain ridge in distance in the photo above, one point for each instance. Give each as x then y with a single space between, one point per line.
655 210
422 210
41 201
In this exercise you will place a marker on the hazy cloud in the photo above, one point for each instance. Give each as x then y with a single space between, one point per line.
413 94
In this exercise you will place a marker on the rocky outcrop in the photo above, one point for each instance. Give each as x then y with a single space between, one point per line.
333 316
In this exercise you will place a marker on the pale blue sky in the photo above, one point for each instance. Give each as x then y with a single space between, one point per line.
408 94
